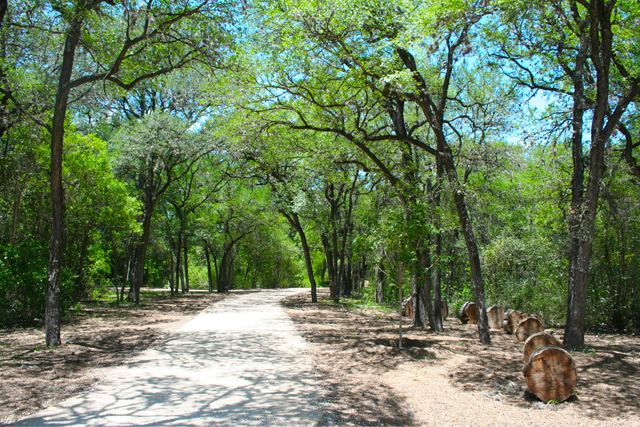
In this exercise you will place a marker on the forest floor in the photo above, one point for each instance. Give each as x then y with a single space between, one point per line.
446 379
450 379
95 339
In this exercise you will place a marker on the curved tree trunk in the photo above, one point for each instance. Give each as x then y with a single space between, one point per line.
472 247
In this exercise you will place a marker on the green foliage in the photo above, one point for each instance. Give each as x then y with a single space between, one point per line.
23 284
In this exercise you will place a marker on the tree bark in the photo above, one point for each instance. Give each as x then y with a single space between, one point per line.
577 193
435 278
333 288
186 267
380 278
172 283
472 248
418 300
294 220
141 251
52 311
209 275
425 263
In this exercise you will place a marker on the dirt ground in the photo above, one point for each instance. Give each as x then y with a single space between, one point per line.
446 379
450 379
94 339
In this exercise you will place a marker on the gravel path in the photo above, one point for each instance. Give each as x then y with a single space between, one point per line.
240 362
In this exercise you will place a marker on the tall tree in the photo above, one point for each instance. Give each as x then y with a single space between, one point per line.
584 47
137 51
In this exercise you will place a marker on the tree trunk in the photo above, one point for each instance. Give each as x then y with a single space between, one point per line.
577 196
333 286
186 267
131 254
114 272
172 283
141 254
425 263
232 259
294 220
209 276
52 310
380 282
348 276
435 278
418 296
472 248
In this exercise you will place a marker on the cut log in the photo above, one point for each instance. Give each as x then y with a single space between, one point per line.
462 314
505 321
536 342
472 313
551 374
510 322
495 314
407 307
444 309
528 327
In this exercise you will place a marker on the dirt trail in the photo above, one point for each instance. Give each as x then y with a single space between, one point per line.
240 361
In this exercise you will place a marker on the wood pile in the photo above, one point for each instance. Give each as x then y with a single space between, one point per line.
468 313
495 314
549 370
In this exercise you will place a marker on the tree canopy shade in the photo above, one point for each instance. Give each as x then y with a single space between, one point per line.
123 44
450 151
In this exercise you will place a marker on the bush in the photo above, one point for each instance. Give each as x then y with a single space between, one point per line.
23 284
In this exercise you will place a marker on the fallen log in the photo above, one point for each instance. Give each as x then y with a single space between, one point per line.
444 309
528 327
536 342
495 314
510 320
551 374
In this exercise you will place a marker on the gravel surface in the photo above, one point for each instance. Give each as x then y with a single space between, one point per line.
240 362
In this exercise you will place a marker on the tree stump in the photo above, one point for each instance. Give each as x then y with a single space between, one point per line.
536 342
472 313
495 315
462 314
444 308
510 321
528 327
551 374
407 307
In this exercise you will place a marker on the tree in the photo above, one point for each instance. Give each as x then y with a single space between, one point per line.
584 44
156 152
137 51
364 78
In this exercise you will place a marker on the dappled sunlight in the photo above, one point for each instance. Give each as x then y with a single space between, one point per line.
236 363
